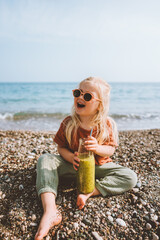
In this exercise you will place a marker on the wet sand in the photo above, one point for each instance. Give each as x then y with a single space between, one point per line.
138 209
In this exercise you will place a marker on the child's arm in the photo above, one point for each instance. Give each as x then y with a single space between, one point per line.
69 156
101 150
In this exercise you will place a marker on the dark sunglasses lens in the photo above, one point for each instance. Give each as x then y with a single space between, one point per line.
76 93
87 96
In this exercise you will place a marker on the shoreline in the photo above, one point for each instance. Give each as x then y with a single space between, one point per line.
21 208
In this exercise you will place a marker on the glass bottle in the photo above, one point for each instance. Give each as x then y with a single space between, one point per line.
86 169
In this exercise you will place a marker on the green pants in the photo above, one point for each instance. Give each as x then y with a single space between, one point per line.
111 178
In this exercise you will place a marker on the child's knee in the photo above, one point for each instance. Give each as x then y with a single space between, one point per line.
45 160
132 180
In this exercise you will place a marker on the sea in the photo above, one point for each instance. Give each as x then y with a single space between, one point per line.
42 106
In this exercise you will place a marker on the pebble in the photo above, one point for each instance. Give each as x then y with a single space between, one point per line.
155 237
148 226
75 225
139 184
33 224
154 217
120 222
33 217
110 218
108 213
152 210
96 236
135 190
21 187
86 221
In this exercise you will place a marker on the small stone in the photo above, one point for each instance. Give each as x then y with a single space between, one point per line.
155 237
31 157
75 225
148 226
21 187
120 222
23 228
96 236
110 218
108 213
139 184
3 195
115 209
154 217
135 190
33 217
33 224
152 210
134 214
109 205
86 221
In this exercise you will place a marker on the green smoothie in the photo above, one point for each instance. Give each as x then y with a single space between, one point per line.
86 173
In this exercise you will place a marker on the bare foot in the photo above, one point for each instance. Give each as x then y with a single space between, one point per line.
49 219
81 200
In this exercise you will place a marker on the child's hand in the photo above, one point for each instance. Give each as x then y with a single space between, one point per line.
91 144
76 161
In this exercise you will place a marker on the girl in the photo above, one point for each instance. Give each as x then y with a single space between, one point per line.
90 111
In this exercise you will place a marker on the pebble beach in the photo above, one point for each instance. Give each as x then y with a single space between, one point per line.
132 215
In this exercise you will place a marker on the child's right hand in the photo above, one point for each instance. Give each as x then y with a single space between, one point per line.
76 161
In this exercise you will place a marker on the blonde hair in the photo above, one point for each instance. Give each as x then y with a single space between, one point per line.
101 116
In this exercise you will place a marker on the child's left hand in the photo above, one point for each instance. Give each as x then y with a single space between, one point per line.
91 144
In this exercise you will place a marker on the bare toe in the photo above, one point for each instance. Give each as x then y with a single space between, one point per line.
47 222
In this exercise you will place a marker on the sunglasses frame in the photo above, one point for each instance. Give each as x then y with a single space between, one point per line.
83 93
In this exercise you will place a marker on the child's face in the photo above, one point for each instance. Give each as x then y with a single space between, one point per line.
87 108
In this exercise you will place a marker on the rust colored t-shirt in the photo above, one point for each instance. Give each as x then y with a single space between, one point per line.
61 140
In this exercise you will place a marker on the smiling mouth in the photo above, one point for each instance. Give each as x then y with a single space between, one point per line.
80 105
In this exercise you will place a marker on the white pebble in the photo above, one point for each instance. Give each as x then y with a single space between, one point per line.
155 237
120 222
75 225
152 210
135 190
3 195
108 213
33 217
96 236
148 226
33 224
138 184
110 218
154 217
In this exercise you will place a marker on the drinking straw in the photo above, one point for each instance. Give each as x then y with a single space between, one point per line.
91 132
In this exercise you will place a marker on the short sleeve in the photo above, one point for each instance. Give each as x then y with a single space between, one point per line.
60 137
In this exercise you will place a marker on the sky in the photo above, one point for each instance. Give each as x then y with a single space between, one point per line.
67 41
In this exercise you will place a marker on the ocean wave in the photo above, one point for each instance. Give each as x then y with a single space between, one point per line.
58 115
29 115
135 116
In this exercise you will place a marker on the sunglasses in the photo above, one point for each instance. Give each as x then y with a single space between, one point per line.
86 95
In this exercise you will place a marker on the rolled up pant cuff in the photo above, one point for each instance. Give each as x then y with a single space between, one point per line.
47 189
